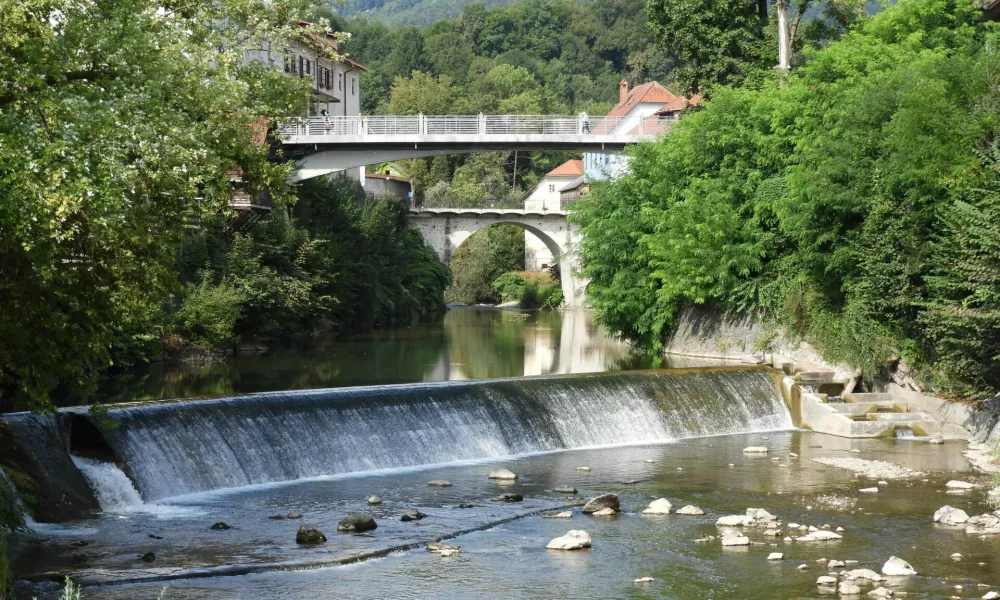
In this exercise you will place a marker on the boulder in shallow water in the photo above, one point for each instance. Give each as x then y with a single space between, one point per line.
866 574
897 566
509 498
586 469
881 592
561 515
277 517
991 596
467 506
564 490
412 515
775 556
955 484
307 534
734 538
605 512
846 588
374 501
575 539
756 450
602 502
643 580
220 526
148 557
439 483
356 523
690 510
826 580
294 515
947 515
504 474
820 536
734 521
660 506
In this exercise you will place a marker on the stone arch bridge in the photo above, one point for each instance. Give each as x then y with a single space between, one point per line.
445 229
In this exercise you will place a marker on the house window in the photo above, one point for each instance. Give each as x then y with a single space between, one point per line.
302 66
352 85
308 67
340 81
552 187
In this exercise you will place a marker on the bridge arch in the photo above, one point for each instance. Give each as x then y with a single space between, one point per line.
445 230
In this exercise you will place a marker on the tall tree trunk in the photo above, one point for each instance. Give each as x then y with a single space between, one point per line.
762 10
784 40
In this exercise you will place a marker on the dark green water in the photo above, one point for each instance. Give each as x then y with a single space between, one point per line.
473 343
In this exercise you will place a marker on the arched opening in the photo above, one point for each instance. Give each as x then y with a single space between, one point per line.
480 255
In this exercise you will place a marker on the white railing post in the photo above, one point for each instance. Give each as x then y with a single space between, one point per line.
481 127
421 125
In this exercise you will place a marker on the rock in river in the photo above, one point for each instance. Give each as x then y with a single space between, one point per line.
509 498
690 510
846 588
355 523
561 515
374 500
412 515
947 515
605 512
756 450
564 490
502 474
660 506
734 538
439 483
826 580
307 534
148 557
575 539
897 566
775 556
220 526
959 485
881 592
820 536
602 502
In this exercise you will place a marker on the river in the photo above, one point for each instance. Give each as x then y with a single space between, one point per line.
543 394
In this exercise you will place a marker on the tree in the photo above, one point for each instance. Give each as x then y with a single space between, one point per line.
120 120
715 41
421 93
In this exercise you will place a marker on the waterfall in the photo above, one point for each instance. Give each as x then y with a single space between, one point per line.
113 489
178 448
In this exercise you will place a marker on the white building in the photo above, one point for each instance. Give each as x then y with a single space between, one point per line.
546 197
651 106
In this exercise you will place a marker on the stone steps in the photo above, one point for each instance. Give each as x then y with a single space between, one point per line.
868 397
860 408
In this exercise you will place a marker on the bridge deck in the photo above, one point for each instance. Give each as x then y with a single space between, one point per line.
487 212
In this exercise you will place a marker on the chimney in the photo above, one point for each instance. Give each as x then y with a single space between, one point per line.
622 91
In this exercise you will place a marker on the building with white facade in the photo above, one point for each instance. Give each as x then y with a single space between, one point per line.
649 106
546 197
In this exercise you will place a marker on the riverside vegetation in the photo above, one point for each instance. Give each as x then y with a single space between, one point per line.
116 242
854 201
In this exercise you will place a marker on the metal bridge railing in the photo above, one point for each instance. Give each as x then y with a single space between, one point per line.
466 125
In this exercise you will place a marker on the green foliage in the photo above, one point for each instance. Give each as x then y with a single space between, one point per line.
71 591
510 286
484 257
535 57
716 42
119 120
339 262
849 203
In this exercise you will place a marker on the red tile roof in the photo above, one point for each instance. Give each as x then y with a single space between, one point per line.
648 92
679 103
570 168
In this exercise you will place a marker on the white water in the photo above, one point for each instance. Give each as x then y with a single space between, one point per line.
186 448
116 494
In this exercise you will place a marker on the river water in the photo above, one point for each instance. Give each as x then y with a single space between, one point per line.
644 434
465 343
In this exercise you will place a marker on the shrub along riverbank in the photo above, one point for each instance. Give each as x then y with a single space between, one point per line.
857 203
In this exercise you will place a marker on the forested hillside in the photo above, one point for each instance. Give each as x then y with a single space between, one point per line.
411 12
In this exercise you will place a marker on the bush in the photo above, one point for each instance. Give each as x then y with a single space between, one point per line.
209 314
529 289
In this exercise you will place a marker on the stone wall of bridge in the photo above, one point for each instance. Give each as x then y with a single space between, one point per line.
445 230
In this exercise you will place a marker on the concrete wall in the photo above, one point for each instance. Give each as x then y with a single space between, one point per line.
380 185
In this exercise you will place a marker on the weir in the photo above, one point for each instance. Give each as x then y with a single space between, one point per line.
185 447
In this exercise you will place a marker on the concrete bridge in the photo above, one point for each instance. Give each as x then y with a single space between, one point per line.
322 145
445 229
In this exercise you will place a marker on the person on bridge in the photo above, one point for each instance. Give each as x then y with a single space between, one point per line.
326 120
584 123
